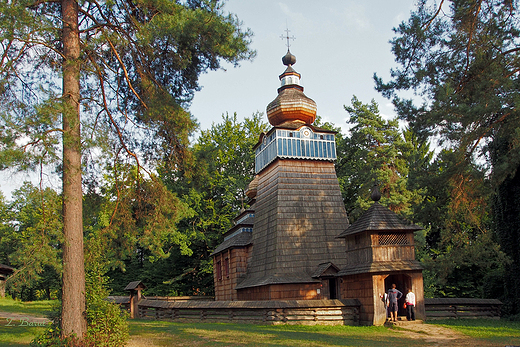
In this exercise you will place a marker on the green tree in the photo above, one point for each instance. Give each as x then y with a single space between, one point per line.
213 186
375 151
127 67
461 57
30 240
460 252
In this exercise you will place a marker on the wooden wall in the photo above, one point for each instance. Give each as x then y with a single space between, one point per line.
307 312
360 287
298 214
442 308
225 286
294 291
367 288
364 248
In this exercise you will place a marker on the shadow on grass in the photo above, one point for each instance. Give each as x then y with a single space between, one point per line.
225 334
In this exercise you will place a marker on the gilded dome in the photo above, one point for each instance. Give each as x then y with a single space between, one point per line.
291 104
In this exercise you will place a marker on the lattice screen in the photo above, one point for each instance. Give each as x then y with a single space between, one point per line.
393 239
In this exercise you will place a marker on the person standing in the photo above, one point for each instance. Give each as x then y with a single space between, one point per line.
393 296
410 305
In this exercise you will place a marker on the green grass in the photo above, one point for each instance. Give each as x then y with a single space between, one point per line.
14 333
499 332
157 333
21 331
40 308
153 333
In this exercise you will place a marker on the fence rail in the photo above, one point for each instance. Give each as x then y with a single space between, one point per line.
308 312
441 308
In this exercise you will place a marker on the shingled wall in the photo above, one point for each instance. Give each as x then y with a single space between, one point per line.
299 212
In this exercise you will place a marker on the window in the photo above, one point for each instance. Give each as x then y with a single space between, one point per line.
226 267
219 270
392 239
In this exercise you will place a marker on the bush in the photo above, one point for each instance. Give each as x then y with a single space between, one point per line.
107 325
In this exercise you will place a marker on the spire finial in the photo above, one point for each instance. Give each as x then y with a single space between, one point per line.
376 194
287 37
288 59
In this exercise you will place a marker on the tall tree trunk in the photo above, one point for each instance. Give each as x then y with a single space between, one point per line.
507 218
73 299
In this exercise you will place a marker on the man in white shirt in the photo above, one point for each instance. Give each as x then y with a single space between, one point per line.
410 305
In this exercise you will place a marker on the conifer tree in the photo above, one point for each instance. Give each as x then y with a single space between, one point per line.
375 152
91 76
461 58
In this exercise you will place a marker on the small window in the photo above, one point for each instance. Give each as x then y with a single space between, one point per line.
219 270
226 267
393 239
291 135
357 239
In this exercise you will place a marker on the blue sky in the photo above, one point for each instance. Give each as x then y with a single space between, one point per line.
338 47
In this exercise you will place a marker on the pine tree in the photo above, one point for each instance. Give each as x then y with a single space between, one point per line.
126 69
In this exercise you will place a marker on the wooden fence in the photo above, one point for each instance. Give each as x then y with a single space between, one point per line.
441 308
308 312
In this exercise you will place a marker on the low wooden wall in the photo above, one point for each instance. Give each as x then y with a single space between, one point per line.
441 308
307 312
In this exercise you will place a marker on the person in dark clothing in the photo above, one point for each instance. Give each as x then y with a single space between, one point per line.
393 296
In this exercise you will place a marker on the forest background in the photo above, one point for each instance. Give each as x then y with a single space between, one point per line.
159 221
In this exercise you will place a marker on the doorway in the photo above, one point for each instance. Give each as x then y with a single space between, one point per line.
333 289
402 282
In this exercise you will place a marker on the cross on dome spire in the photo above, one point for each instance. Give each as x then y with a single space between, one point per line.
287 37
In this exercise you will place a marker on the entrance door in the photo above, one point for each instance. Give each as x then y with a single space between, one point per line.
402 282
333 293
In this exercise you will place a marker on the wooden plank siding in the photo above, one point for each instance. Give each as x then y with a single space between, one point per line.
308 312
299 212
237 261
457 308
389 253
296 291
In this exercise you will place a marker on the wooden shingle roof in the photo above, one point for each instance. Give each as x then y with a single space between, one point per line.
239 235
239 240
276 278
380 266
378 218
324 268
133 285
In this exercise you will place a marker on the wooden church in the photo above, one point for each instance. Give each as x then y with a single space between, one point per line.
295 242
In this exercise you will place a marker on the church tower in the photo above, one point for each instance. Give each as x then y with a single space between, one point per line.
299 210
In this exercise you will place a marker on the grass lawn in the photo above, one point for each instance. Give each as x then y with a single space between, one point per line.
37 308
16 332
154 333
20 331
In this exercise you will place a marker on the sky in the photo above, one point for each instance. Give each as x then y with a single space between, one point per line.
339 45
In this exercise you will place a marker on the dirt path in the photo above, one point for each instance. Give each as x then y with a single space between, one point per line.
23 319
435 335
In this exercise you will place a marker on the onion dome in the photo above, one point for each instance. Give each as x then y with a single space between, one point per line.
376 194
252 188
291 105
